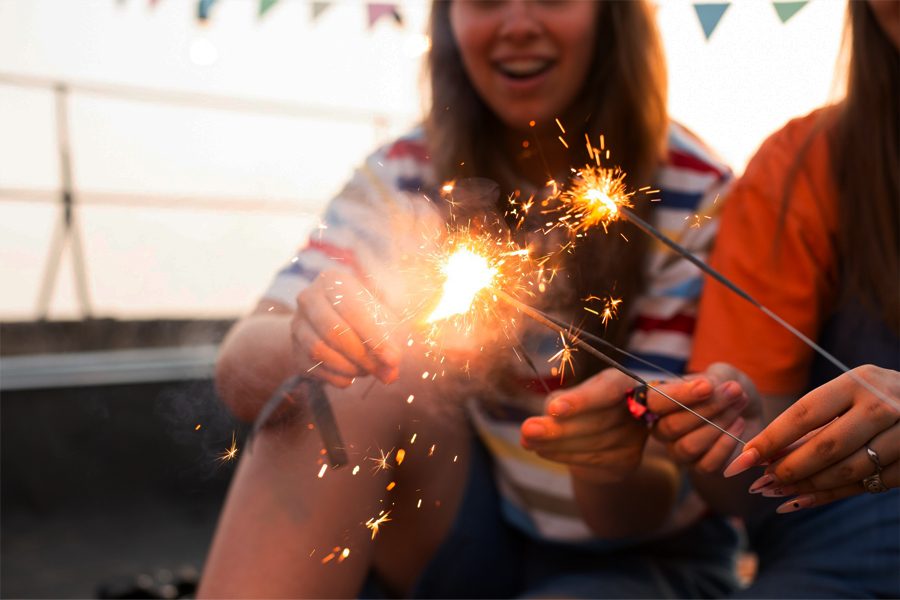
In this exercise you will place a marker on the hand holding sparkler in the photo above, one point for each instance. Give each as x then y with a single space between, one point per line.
335 336
588 427
721 393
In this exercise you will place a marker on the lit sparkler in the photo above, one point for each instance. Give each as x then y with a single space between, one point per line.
600 196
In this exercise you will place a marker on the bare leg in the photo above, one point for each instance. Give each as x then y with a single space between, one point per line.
281 520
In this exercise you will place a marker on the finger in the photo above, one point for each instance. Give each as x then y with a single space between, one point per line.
317 352
617 458
690 393
813 410
340 335
545 429
692 447
357 306
602 391
835 442
852 469
727 401
890 476
723 448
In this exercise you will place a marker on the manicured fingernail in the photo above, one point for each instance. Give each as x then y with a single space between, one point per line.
773 492
747 458
559 408
533 429
798 503
758 485
731 390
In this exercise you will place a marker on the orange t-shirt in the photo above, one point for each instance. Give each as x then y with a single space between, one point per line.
793 273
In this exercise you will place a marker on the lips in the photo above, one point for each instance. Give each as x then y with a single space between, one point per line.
523 68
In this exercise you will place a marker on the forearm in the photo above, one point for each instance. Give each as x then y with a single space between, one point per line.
254 359
636 505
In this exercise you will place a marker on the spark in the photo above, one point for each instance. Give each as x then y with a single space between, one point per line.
197 428
381 463
376 522
355 469
410 399
401 454
391 485
322 471
564 356
596 198
231 452
344 554
467 273
412 440
610 308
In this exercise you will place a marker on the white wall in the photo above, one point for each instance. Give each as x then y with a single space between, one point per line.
337 89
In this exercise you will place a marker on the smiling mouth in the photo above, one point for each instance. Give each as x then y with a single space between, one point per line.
524 69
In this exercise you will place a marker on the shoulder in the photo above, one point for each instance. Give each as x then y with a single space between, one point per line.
404 163
688 153
802 143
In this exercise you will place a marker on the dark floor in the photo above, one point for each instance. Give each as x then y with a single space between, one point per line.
102 484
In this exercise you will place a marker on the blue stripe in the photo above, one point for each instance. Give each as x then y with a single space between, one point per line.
682 200
676 365
296 269
410 184
689 288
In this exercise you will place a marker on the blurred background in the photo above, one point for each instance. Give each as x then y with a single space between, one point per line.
159 161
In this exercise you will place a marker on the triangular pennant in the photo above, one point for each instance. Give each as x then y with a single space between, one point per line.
318 7
203 8
383 9
786 10
710 15
264 6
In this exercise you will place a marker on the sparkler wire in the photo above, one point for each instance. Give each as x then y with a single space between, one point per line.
599 340
540 318
659 235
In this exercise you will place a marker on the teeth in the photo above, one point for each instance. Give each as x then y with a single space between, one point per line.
523 68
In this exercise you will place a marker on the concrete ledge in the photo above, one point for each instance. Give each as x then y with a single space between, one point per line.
41 371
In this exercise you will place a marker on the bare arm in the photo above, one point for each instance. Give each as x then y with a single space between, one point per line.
254 359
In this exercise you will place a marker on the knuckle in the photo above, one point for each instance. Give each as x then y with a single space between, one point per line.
785 473
826 449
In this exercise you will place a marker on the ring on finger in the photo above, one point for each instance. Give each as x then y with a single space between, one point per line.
873 483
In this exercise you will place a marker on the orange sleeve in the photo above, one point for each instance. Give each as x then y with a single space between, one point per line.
791 273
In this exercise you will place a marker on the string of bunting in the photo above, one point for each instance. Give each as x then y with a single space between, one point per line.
709 14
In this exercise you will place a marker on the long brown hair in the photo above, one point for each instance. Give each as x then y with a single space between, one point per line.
623 97
865 150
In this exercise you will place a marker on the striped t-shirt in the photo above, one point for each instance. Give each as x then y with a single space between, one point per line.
378 221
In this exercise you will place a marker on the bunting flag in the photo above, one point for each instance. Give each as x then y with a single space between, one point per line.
710 15
378 10
203 8
318 7
264 6
786 10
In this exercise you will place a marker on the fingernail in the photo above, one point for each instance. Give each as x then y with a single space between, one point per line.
559 408
758 485
798 503
701 387
533 429
747 459
731 390
774 492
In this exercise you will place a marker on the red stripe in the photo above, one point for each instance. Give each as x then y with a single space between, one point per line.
681 323
334 252
689 161
408 148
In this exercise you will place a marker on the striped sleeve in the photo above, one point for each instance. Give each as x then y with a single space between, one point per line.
690 185
378 219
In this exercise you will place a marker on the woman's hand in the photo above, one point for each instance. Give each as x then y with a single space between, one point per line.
335 335
588 427
818 447
723 395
